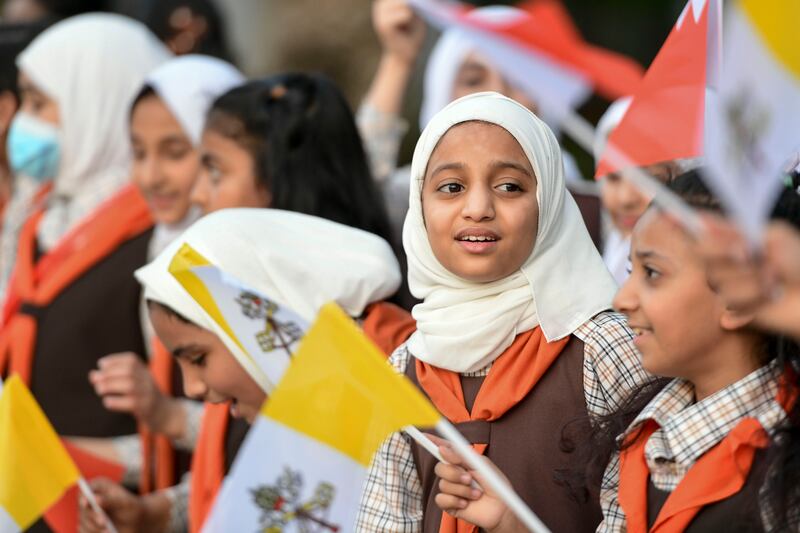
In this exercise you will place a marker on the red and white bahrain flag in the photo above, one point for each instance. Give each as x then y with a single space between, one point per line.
666 118
539 49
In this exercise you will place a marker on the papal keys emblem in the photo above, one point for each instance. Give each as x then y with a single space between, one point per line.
281 505
276 334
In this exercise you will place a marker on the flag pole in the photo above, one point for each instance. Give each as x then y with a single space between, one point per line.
503 490
89 495
431 447
583 133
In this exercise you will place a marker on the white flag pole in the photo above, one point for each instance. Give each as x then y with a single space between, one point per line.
89 495
583 133
431 447
492 479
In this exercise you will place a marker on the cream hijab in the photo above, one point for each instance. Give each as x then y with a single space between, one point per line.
92 66
463 326
188 85
298 260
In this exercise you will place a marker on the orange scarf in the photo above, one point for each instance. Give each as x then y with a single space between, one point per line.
385 324
719 474
158 454
38 283
511 378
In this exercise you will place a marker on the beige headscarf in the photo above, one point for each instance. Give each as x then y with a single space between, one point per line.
297 260
463 325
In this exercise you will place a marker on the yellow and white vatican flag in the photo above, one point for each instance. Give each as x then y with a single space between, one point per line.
754 127
35 468
261 334
303 463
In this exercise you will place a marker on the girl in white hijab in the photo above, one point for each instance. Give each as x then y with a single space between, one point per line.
78 80
87 70
166 123
297 260
454 68
513 333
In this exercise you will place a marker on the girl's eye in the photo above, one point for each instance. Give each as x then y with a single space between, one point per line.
509 187
451 188
198 360
651 273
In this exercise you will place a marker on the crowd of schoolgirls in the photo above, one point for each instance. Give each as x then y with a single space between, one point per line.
645 383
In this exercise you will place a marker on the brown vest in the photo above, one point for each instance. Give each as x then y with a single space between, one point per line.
96 315
738 514
234 436
526 445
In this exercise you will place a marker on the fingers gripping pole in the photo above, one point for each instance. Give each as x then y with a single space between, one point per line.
502 489
89 495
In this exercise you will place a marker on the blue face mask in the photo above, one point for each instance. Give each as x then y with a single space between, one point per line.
33 147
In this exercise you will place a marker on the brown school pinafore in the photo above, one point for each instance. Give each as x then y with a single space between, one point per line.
737 514
96 315
526 445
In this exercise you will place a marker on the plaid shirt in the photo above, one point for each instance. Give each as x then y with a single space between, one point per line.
688 430
392 497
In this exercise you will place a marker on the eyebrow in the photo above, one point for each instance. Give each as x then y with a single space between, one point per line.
650 254
447 166
511 164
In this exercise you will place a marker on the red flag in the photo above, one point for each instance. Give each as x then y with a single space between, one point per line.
63 516
666 117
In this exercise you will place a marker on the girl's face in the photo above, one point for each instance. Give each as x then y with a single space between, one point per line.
34 101
165 163
210 372
624 202
228 177
679 322
476 75
479 202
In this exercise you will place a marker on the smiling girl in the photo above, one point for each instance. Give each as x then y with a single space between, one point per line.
514 334
713 445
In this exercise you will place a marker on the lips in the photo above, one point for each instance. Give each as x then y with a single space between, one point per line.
477 240
162 201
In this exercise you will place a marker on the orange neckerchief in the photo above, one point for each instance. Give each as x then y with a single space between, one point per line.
208 464
388 326
511 378
158 453
718 474
385 324
119 219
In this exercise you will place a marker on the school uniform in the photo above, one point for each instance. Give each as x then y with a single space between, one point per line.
697 466
297 260
386 324
509 362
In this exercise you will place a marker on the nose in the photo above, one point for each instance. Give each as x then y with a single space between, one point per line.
478 205
629 195
625 301
201 191
193 386
147 172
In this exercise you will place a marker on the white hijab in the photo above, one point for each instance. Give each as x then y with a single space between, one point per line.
299 261
92 66
187 86
462 326
446 59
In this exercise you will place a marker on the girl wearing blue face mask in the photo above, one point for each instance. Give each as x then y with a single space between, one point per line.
71 297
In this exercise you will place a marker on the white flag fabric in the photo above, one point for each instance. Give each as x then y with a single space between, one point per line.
752 128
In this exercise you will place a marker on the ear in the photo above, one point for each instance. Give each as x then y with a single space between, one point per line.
8 107
732 320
